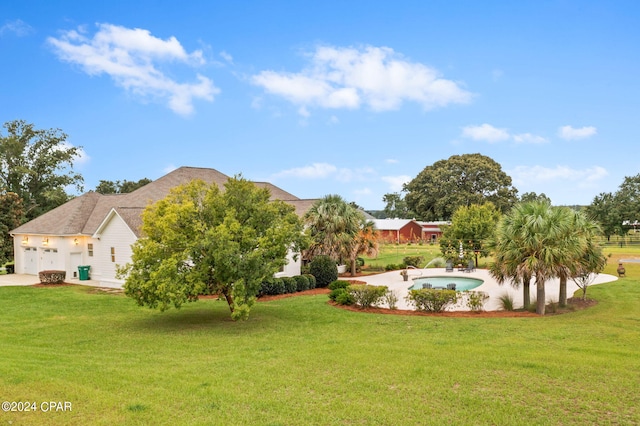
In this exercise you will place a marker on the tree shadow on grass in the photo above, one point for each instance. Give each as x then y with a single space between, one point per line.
204 315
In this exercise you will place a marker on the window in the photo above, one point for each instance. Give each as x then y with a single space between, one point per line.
90 249
113 254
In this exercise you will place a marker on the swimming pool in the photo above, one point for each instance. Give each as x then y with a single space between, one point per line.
462 283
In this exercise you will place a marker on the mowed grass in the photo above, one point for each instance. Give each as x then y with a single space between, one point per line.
394 253
301 361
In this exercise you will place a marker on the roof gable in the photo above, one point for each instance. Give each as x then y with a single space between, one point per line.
87 213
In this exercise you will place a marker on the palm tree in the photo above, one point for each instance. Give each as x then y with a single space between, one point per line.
587 229
365 242
536 240
333 225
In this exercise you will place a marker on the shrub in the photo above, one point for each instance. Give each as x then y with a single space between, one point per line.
395 267
391 299
324 269
302 282
476 299
367 296
290 284
415 261
52 277
312 281
359 262
506 302
339 284
272 286
341 296
430 300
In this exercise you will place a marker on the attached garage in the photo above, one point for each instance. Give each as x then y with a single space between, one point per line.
30 260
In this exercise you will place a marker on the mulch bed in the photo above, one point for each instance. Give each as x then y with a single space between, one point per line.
573 305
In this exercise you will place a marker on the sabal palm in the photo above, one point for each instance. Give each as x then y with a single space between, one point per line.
333 224
535 240
582 228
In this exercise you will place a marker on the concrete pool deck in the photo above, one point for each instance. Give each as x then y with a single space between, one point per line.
394 281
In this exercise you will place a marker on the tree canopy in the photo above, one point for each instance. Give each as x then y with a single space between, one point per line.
37 165
203 240
472 226
396 206
461 180
11 214
120 187
618 212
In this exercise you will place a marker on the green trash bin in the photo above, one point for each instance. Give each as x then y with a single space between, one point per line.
83 272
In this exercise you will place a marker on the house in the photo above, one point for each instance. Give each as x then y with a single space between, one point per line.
408 230
98 230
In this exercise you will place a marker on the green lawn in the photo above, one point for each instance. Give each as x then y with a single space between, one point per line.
300 361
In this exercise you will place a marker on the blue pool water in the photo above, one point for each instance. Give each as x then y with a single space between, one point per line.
462 283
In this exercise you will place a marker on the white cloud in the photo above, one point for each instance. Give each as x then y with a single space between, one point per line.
333 120
17 27
226 56
348 78
396 182
391 161
485 132
530 174
497 74
131 57
529 138
314 171
327 171
570 133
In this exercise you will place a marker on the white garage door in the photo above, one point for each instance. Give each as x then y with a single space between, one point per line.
49 259
30 260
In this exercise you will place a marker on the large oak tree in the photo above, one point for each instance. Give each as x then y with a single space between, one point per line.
461 180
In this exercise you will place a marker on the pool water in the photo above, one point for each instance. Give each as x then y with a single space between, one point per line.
462 283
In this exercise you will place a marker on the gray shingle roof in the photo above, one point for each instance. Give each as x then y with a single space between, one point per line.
84 214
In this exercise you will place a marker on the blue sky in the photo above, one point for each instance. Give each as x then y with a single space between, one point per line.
352 98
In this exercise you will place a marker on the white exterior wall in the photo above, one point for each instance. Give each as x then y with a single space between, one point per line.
117 235
292 268
60 253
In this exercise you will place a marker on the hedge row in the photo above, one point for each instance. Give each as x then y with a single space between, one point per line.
274 286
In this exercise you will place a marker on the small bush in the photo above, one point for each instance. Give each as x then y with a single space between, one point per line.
475 300
339 284
506 302
324 269
367 296
391 299
341 296
290 284
429 300
395 267
312 281
302 282
359 262
414 261
52 277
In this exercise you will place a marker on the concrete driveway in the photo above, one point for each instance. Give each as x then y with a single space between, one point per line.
26 280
